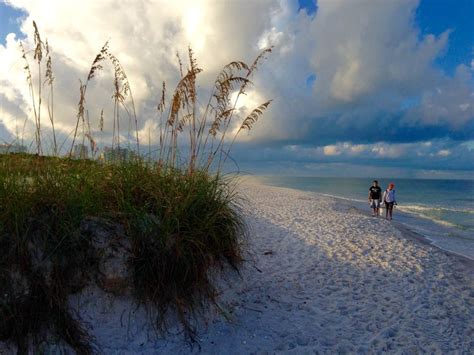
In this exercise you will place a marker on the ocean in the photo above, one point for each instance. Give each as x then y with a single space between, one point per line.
440 210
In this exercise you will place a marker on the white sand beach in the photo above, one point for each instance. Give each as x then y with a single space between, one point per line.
319 276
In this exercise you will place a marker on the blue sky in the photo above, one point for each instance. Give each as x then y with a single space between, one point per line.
435 16
361 84
9 21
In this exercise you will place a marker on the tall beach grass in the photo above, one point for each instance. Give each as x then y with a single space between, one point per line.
180 214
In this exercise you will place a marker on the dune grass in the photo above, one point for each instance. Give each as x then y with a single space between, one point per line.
179 225
180 215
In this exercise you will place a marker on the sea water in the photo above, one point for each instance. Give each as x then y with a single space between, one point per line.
440 210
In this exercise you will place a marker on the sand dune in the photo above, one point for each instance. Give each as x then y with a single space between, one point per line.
319 276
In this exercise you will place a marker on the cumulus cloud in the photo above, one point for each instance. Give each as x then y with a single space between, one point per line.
144 35
451 102
369 60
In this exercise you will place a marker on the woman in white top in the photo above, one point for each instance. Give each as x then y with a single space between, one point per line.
389 200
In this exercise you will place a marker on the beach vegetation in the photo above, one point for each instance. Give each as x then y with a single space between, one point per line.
180 213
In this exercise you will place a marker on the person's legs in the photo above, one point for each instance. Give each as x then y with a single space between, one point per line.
373 206
386 210
389 207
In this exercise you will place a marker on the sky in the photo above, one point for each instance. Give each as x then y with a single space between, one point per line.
366 88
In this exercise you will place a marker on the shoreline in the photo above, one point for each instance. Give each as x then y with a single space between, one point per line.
385 266
440 242
407 233
404 230
417 237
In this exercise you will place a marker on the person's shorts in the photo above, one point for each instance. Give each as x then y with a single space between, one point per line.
389 205
374 204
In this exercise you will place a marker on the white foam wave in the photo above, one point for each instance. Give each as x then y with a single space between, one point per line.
340 197
434 219
437 220
426 208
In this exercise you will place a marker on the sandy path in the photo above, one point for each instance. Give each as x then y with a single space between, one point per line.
319 277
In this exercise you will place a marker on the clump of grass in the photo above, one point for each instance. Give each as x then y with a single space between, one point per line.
180 226
183 230
179 213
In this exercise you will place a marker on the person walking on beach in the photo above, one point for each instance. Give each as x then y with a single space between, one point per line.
375 198
389 200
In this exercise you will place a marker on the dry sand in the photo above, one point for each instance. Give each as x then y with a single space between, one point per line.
319 277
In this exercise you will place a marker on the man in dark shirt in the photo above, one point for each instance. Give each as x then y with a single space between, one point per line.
375 197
